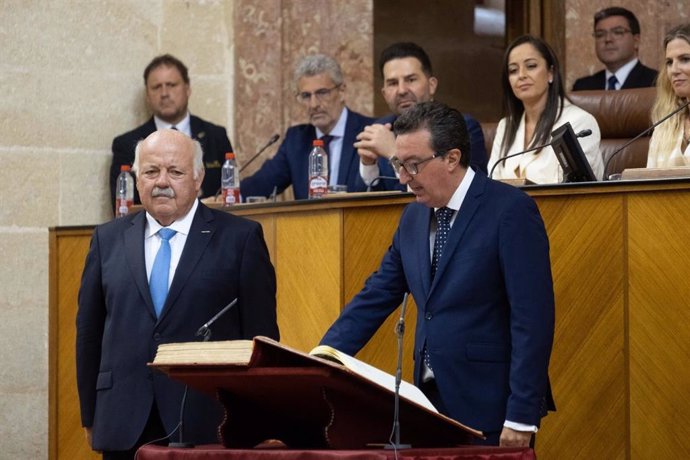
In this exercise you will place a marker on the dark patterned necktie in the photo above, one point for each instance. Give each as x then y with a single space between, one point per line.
443 216
327 138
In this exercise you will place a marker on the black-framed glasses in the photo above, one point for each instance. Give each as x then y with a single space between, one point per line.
319 94
616 32
411 167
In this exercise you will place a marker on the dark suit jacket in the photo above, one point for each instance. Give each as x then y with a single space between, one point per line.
289 165
487 317
118 333
214 141
478 156
640 77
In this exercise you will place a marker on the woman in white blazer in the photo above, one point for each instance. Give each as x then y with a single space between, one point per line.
536 105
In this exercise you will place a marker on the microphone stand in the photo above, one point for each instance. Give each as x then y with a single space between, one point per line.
205 332
646 131
399 331
583 133
378 179
270 142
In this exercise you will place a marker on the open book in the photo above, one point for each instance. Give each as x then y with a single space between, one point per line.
271 391
239 352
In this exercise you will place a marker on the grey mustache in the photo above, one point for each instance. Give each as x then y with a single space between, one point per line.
166 192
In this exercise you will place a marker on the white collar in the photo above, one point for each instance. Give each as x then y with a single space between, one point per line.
183 126
180 226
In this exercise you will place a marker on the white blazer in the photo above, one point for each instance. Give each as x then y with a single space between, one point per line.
542 166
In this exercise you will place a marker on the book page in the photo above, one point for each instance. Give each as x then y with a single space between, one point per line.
381 378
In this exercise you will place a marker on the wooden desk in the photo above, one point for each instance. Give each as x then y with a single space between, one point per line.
219 453
619 254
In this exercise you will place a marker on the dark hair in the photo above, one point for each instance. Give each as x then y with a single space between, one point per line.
633 23
514 107
166 60
403 50
445 124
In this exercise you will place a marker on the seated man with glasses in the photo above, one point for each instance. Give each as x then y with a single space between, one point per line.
474 254
617 40
321 92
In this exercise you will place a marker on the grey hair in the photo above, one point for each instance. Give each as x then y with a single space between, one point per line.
198 158
317 64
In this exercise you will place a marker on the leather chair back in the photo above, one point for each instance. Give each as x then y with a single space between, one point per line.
621 115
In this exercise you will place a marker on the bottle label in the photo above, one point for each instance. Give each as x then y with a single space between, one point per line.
231 196
122 206
318 187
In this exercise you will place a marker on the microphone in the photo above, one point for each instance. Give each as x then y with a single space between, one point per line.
399 332
204 331
378 179
646 131
583 133
270 142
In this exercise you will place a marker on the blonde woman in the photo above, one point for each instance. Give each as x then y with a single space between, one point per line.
669 144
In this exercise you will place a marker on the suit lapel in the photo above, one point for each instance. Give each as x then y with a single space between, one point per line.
423 249
134 253
462 221
346 153
200 233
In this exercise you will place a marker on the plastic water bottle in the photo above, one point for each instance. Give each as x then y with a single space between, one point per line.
230 180
318 171
124 196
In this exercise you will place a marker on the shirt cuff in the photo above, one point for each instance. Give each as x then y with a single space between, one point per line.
520 426
368 172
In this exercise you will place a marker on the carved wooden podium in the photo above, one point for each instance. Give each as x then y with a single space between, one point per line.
310 403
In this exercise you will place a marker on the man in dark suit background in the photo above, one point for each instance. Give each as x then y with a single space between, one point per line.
407 80
617 41
321 91
132 299
168 90
484 294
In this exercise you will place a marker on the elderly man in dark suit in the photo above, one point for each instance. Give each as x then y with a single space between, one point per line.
617 40
321 92
155 277
475 256
168 90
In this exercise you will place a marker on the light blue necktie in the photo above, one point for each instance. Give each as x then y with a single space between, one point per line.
158 284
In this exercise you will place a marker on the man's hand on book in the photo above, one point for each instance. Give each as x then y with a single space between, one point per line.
513 438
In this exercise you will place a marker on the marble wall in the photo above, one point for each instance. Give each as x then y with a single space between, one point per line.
71 80
655 18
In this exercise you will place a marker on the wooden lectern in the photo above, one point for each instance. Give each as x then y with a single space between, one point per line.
308 402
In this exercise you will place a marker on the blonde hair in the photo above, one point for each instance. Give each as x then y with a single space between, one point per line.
666 135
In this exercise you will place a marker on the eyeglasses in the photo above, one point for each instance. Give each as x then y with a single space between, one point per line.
319 94
410 167
617 33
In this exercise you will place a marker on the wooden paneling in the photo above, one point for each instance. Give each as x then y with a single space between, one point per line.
67 436
619 257
659 324
309 267
588 364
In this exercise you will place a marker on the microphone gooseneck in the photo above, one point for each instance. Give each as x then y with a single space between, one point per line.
378 179
646 131
205 330
583 133
270 142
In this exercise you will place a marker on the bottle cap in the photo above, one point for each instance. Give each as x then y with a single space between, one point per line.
125 167
318 143
229 156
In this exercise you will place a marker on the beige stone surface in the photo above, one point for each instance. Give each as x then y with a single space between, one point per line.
30 187
23 342
84 194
